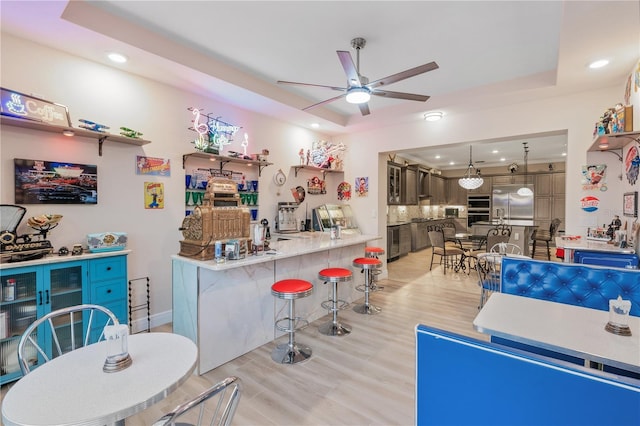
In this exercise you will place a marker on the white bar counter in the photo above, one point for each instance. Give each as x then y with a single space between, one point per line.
227 308
571 245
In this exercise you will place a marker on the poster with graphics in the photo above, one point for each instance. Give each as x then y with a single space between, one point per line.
594 177
153 195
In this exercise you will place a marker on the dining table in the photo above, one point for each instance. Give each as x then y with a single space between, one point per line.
72 389
567 329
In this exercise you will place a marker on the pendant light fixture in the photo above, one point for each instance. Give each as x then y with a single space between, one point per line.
525 190
471 179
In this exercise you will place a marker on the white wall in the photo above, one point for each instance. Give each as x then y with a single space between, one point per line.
110 96
113 97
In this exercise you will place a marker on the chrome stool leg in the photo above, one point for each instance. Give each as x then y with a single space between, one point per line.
333 327
290 352
367 308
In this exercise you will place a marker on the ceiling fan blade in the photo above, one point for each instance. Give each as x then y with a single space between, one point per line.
294 83
400 95
325 102
364 109
403 75
349 68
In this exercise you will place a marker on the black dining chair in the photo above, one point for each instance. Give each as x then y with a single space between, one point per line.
544 236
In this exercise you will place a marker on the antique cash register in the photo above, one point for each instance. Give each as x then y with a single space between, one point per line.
219 218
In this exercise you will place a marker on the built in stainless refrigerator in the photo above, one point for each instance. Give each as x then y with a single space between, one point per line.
508 204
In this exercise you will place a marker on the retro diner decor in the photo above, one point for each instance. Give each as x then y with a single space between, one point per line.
20 105
213 134
589 203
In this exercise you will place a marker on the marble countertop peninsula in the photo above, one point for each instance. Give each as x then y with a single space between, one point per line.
315 242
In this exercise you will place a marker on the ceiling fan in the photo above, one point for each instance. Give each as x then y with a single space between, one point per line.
359 89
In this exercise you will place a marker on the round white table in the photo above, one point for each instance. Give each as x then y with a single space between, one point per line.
73 390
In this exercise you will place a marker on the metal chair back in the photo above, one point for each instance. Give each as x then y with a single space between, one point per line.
228 392
488 268
66 327
505 248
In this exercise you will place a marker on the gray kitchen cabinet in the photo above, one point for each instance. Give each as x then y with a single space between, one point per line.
543 185
410 185
393 243
394 183
405 239
419 236
558 183
438 190
424 183
456 195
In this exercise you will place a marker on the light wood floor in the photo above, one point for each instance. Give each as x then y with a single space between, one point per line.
364 378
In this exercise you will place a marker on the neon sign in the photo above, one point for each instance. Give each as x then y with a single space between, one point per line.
19 105
212 135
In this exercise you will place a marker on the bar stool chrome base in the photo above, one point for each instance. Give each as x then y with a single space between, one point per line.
367 309
286 354
331 329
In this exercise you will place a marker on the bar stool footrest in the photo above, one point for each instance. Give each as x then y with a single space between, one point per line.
328 305
299 323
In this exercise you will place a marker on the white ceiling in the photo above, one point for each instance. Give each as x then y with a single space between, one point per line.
235 51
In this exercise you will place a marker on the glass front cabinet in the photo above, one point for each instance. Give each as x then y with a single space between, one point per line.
30 292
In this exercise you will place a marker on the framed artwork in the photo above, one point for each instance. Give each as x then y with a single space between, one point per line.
55 182
630 204
362 186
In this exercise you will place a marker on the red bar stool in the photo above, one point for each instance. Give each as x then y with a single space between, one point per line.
375 252
335 276
291 352
367 264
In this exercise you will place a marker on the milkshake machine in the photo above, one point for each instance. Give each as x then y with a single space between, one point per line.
287 221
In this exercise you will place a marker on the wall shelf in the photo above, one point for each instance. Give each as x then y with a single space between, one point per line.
315 169
77 131
222 159
615 140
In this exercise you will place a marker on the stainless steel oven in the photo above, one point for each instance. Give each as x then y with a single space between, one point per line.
478 209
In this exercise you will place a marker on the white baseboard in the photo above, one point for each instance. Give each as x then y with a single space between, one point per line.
156 320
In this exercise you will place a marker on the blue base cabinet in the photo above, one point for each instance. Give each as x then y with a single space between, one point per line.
32 289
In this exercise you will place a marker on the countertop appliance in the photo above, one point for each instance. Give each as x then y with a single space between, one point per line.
287 220
507 204
451 212
328 215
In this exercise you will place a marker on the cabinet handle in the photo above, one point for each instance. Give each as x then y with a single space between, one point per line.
40 297
109 291
47 293
108 268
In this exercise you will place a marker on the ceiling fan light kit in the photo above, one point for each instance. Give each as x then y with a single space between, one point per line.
358 95
359 90
472 179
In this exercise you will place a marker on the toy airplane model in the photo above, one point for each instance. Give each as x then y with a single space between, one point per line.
130 133
90 125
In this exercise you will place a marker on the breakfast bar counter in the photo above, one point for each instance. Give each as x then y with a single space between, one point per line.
227 308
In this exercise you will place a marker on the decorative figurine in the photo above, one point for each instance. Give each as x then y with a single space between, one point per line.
90 125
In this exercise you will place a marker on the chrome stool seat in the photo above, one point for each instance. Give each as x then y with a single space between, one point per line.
367 264
334 276
375 252
291 352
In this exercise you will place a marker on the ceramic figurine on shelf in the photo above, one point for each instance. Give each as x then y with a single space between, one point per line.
301 155
308 156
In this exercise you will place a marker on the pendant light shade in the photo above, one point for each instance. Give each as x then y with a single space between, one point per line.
525 190
471 179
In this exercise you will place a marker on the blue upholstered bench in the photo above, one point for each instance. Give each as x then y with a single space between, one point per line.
575 284
463 381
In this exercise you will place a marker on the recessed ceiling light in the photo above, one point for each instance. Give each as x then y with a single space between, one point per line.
437 157
451 163
599 63
315 125
117 57
495 151
433 116
564 154
503 159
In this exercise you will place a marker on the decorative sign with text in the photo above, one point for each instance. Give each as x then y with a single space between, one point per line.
589 203
19 105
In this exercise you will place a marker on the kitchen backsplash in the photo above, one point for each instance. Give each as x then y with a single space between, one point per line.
406 213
